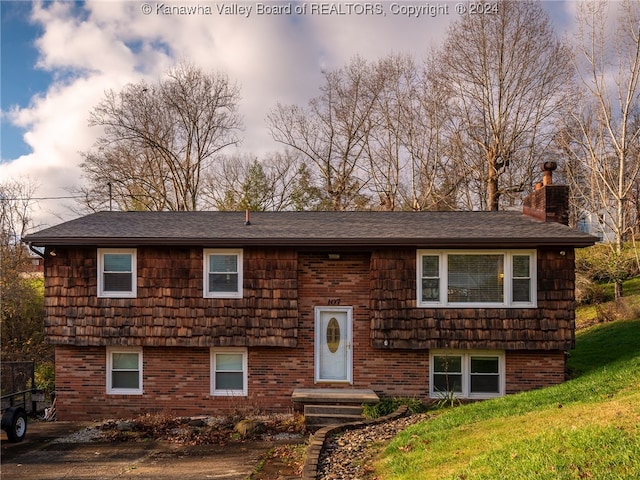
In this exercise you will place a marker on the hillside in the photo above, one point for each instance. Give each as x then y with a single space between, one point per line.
588 427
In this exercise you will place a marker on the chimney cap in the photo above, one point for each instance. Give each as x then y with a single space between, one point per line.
548 166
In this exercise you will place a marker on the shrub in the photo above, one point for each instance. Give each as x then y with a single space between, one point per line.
45 375
590 292
601 263
389 405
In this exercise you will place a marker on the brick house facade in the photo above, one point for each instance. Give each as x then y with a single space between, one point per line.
201 313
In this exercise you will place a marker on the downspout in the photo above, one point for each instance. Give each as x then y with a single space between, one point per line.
31 247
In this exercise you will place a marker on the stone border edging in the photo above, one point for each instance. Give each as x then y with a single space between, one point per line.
318 440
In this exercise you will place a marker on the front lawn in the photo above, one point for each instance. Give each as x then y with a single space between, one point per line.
587 427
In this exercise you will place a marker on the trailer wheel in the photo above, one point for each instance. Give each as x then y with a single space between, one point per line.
14 422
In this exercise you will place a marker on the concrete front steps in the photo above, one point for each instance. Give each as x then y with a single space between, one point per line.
332 406
318 416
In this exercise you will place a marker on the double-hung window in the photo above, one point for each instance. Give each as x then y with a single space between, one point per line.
117 272
229 372
222 273
124 371
484 278
466 374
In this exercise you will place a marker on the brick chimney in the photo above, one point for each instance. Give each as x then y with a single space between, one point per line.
549 202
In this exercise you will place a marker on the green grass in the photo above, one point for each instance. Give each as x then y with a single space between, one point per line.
588 427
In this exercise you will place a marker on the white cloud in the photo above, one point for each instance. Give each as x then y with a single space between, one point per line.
104 45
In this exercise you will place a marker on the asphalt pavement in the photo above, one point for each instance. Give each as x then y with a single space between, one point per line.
47 454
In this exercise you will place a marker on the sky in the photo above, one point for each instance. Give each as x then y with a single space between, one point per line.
59 57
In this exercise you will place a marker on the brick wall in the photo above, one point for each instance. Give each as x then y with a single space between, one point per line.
177 380
531 370
548 204
346 282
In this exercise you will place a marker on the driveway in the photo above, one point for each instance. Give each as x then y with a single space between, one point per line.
40 456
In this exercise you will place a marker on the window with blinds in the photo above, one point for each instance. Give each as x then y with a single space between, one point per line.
476 278
222 273
117 273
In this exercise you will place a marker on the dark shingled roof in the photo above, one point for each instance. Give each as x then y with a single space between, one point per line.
337 229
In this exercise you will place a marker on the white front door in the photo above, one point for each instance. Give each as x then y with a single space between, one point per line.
333 352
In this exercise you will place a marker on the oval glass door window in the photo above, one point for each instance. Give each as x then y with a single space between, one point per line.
333 335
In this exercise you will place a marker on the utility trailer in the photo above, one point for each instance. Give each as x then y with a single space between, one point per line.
19 398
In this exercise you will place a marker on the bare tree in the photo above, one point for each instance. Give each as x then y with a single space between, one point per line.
602 133
16 208
159 139
330 133
385 151
435 180
507 70
405 147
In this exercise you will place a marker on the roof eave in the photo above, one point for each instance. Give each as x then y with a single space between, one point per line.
576 242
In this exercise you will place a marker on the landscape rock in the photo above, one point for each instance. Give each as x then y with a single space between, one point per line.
249 427
350 454
125 426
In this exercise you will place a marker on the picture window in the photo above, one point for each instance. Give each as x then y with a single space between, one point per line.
476 278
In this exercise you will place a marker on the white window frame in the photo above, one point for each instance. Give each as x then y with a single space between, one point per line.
507 302
134 273
205 273
124 391
466 373
245 374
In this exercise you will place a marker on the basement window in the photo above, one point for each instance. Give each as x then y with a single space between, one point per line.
117 272
478 374
124 371
222 273
229 372
482 278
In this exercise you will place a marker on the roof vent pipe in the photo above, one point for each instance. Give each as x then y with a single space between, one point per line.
246 217
548 168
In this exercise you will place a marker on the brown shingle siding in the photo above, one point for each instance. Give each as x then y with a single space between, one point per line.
396 321
169 308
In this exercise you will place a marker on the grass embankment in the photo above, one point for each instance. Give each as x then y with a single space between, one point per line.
588 427
608 309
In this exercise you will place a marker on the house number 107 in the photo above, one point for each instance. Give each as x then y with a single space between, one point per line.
334 301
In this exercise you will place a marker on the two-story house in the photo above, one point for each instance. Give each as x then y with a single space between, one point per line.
204 312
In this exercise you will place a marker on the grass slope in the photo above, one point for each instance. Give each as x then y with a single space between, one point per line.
588 427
